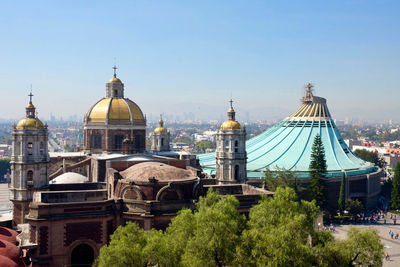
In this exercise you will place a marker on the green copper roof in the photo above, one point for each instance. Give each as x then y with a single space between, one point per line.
288 145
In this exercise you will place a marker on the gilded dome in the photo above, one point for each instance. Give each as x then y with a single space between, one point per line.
114 80
160 130
115 111
230 125
29 123
30 105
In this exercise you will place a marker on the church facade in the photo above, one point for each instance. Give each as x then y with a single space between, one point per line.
65 217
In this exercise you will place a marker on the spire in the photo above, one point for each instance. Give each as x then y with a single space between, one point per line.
231 111
308 97
115 71
161 122
30 96
30 109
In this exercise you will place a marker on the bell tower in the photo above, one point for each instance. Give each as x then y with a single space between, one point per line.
230 155
160 138
29 161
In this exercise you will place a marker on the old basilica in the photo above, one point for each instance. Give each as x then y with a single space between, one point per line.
66 205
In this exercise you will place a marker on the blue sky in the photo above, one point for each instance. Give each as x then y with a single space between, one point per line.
197 53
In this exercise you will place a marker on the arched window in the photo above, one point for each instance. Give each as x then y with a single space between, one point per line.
236 145
82 255
29 178
162 141
237 176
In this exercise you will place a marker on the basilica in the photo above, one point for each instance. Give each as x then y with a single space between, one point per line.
66 205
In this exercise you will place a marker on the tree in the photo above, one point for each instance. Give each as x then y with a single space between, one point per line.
203 145
370 156
354 207
217 232
396 188
125 248
317 172
342 194
278 232
361 248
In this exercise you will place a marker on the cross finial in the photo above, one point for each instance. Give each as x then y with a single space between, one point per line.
115 71
309 86
231 101
30 95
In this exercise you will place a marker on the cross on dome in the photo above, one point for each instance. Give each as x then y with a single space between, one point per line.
115 71
30 96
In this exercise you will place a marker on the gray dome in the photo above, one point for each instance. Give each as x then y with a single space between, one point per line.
69 178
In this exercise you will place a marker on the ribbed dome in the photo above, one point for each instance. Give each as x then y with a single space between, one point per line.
230 125
160 128
114 80
160 171
115 111
288 145
29 123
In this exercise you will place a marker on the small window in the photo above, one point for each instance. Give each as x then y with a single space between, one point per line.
118 141
236 143
162 141
29 178
96 141
115 93
30 145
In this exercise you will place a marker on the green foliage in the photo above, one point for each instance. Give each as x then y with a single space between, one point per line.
4 167
342 194
203 145
317 172
217 232
396 188
361 248
281 178
183 140
278 232
370 156
125 248
354 207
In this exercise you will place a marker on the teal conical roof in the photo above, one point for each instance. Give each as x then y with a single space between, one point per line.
288 144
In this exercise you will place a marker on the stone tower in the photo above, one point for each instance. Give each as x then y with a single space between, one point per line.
29 161
230 154
160 138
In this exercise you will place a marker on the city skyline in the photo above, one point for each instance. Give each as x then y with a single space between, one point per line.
187 55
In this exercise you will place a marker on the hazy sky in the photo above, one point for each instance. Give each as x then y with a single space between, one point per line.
190 53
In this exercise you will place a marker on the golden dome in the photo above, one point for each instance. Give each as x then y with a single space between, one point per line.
115 111
29 123
30 105
230 125
114 80
160 130
231 110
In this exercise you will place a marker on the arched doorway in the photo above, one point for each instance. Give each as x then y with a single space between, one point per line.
82 256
